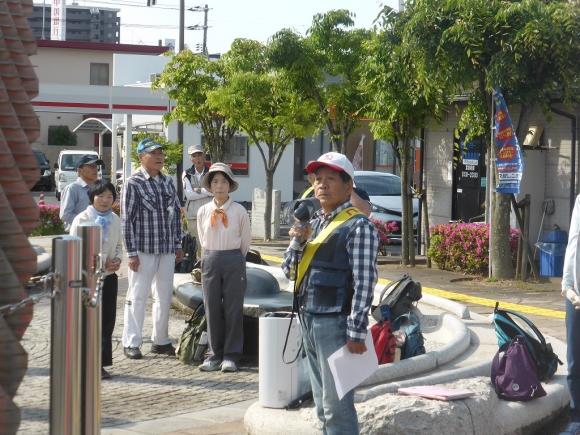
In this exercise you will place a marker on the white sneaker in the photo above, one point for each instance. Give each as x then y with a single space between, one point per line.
210 366
229 366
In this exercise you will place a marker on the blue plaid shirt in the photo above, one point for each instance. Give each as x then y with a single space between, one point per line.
362 247
148 225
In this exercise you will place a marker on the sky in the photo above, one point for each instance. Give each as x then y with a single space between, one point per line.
227 19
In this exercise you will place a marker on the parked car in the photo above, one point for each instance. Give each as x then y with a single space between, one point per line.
66 169
45 180
384 192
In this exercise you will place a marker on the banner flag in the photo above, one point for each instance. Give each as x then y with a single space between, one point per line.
357 159
509 163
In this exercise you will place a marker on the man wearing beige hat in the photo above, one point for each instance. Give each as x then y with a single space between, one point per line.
194 191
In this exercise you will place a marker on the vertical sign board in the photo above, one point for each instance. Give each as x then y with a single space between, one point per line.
510 163
58 20
470 162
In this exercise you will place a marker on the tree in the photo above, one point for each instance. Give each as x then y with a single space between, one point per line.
62 135
260 101
528 48
404 96
326 65
173 151
187 79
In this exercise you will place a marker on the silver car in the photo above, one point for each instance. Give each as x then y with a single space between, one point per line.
384 192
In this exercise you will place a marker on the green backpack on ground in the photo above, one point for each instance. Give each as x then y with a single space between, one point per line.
193 342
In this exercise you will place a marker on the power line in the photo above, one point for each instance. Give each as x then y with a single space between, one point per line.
151 26
131 4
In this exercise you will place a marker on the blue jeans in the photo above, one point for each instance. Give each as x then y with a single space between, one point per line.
573 357
322 336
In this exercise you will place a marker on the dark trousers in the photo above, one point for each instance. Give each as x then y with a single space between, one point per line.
108 315
223 278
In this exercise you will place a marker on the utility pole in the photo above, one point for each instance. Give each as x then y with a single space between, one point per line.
179 123
180 47
43 16
205 10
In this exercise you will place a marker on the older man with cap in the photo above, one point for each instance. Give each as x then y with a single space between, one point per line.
75 198
195 193
335 270
151 223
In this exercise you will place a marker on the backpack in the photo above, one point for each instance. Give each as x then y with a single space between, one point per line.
254 256
541 352
514 372
403 291
384 341
189 246
193 341
415 342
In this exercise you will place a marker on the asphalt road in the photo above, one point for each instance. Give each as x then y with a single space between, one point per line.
49 197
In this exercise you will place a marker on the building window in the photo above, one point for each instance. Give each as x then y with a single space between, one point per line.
237 157
100 74
386 161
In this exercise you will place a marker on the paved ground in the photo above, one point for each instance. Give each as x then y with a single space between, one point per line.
160 395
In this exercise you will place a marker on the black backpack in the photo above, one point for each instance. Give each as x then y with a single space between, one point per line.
540 351
402 292
189 246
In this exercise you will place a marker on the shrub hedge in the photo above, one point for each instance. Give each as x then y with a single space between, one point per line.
463 247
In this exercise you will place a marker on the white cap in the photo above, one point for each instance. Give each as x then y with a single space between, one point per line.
333 160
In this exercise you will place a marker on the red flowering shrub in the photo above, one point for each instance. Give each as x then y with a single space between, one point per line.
385 229
462 247
49 223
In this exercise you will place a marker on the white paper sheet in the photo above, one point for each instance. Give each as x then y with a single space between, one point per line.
349 369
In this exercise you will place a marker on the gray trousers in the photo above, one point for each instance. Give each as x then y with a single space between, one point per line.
223 280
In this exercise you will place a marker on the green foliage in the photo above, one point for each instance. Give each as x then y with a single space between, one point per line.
173 151
331 48
188 79
264 105
462 247
62 135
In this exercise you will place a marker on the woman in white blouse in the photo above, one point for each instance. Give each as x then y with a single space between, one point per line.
224 234
102 195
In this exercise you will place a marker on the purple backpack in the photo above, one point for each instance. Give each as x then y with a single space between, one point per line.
514 374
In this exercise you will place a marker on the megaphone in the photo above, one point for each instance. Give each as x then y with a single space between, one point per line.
303 212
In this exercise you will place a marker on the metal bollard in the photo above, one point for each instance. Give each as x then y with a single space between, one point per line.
65 353
91 264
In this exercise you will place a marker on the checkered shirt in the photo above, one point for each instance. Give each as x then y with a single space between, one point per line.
362 247
148 225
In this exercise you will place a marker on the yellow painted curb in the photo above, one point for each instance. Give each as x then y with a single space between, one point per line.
489 302
469 299
274 259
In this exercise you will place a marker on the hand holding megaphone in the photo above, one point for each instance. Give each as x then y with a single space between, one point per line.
302 215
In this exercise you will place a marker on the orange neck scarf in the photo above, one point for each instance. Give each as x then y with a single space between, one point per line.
222 214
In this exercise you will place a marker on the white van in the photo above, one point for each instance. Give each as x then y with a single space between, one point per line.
66 168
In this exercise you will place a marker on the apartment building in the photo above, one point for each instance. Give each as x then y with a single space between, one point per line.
83 23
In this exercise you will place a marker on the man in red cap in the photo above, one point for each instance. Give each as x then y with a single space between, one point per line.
336 275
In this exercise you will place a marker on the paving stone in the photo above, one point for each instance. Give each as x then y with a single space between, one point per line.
154 387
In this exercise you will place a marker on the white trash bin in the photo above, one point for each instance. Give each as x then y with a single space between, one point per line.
281 383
